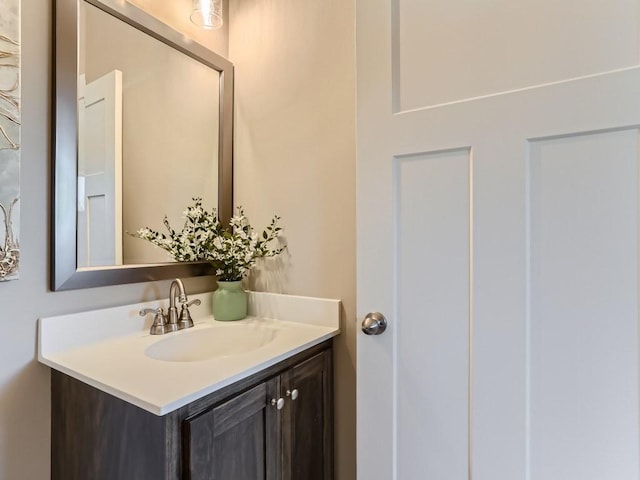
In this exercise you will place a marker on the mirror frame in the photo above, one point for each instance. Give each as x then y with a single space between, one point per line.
65 274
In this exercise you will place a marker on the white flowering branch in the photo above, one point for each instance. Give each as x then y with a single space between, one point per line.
232 251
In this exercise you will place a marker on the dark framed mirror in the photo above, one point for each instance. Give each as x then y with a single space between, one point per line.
143 123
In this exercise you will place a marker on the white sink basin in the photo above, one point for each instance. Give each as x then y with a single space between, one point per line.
204 344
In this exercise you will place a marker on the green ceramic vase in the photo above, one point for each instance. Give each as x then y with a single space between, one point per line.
229 301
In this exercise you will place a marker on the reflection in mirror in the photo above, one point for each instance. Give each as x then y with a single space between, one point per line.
147 143
143 125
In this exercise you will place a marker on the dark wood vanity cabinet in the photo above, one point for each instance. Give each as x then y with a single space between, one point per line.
237 433
279 429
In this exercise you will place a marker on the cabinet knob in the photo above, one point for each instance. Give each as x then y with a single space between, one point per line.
279 403
292 393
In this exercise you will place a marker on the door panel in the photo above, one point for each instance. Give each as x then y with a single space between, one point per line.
498 234
504 45
583 311
432 367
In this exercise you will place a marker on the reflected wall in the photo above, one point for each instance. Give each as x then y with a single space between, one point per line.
170 110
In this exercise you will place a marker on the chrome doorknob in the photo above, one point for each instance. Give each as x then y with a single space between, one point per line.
374 323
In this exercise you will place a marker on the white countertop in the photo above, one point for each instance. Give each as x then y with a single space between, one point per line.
106 348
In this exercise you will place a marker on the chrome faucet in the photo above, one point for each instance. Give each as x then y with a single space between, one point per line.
184 319
172 322
172 314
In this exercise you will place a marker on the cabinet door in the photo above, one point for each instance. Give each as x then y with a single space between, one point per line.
239 439
308 420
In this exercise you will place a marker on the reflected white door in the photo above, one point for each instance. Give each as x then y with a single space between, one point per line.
498 232
100 171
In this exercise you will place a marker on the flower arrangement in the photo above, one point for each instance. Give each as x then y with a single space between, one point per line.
233 251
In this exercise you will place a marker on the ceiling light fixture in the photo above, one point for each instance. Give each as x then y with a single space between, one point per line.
207 14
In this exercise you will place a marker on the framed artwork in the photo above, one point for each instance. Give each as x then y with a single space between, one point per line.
9 139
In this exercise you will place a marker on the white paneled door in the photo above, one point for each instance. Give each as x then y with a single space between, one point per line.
498 206
100 105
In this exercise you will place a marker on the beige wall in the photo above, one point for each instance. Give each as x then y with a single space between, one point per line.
295 156
175 13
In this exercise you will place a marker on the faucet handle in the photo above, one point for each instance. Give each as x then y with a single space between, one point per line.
159 326
185 317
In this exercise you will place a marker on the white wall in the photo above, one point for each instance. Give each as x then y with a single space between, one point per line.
295 156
